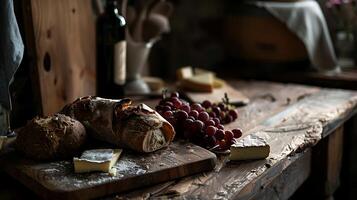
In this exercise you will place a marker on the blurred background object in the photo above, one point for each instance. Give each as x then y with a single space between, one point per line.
232 38
147 21
11 49
343 16
306 20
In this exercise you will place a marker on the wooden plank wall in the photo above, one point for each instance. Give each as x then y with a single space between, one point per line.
63 49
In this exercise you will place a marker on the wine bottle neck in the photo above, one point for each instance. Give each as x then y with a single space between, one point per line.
114 6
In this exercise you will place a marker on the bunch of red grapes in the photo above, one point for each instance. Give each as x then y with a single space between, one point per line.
201 124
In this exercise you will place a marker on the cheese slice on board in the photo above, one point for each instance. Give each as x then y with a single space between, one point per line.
218 83
189 73
184 72
198 71
199 83
251 147
154 83
97 160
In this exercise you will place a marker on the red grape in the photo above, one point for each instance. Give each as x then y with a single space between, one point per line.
211 130
198 125
172 121
233 113
166 108
194 113
222 115
221 106
197 106
219 134
172 99
181 115
210 123
190 117
212 114
210 141
222 144
175 94
167 114
203 116
220 126
177 103
186 108
228 119
188 124
206 104
216 121
237 133
168 103
228 136
216 110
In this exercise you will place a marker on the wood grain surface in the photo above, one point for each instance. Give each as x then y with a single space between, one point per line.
295 117
63 49
57 180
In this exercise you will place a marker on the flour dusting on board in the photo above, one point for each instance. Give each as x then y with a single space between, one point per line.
97 155
131 168
61 174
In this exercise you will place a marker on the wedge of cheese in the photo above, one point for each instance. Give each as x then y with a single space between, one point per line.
198 71
184 72
218 83
199 83
154 83
97 160
199 80
251 147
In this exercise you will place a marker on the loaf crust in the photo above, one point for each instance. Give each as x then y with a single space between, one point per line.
51 138
117 122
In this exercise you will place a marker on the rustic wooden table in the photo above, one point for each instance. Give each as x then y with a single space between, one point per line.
305 125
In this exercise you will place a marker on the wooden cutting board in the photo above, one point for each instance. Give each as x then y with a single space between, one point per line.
235 96
56 180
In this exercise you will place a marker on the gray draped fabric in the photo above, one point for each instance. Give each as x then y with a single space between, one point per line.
11 49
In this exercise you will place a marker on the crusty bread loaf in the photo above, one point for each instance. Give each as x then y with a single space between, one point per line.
50 138
115 121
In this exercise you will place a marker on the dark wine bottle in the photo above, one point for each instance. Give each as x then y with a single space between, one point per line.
111 51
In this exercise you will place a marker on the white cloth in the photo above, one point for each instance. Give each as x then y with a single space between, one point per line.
11 49
306 20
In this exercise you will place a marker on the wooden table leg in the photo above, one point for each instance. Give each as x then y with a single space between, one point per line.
333 162
325 168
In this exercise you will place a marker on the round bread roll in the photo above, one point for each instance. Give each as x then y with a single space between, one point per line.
50 138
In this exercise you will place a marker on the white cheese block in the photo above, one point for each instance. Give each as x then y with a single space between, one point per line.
154 83
199 83
198 79
218 83
250 147
184 72
198 71
96 160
